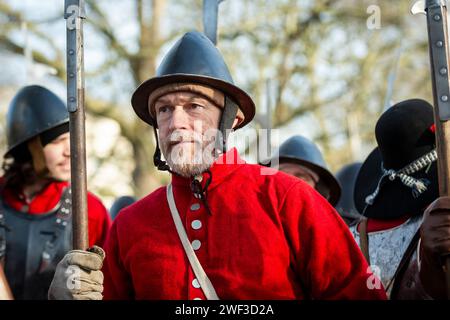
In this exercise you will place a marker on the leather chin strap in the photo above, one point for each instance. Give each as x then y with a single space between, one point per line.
157 161
226 124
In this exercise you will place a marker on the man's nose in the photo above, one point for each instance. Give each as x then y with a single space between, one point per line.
67 148
179 119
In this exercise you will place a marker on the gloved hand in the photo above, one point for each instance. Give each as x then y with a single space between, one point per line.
78 276
435 246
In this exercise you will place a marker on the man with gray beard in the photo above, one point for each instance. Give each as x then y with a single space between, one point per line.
221 228
190 153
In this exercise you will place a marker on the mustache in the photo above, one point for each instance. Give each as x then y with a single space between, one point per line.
184 136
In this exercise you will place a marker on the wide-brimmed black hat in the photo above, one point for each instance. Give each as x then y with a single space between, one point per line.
302 151
399 177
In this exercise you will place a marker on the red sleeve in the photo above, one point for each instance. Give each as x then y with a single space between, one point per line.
99 221
117 283
326 255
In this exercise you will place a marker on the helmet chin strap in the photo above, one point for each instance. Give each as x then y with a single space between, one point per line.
157 161
226 124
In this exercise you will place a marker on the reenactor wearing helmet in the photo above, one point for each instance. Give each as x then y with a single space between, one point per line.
301 158
35 209
220 229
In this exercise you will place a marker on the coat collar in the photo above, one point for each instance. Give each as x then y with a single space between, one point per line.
220 169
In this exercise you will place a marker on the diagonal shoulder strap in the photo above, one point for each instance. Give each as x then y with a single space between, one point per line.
364 239
205 283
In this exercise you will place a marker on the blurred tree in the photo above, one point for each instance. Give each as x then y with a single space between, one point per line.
329 66
329 70
140 63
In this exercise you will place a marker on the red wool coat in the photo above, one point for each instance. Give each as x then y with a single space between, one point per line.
268 237
99 221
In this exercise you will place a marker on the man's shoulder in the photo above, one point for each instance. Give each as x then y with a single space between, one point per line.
269 176
270 182
143 206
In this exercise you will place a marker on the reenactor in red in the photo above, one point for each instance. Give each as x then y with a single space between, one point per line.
35 209
220 229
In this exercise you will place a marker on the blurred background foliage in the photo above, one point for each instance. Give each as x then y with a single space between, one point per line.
325 69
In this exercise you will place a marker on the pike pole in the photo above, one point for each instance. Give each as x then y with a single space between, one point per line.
211 19
436 12
74 13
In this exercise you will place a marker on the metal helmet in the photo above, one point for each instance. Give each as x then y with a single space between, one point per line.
301 150
193 59
33 110
346 177
120 203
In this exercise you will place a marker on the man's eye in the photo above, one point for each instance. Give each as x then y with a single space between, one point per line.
163 109
196 106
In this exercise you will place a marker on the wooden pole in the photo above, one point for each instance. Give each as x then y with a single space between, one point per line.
74 14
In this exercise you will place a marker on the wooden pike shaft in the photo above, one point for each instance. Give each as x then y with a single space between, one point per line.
74 14
78 181
439 60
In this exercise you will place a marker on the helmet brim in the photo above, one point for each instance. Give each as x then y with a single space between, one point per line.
139 100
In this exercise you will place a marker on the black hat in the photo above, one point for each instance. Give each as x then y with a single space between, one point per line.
399 177
193 59
300 150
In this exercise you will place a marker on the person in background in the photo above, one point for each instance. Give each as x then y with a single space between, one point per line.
301 158
35 208
396 183
120 203
346 177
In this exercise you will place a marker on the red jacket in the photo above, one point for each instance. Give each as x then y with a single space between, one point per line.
99 221
268 237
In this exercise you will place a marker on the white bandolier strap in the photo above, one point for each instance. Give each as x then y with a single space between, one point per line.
205 283
418 186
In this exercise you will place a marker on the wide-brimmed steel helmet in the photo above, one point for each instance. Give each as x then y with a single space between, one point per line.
33 110
193 59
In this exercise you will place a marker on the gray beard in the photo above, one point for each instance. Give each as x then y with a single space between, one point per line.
188 170
185 168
